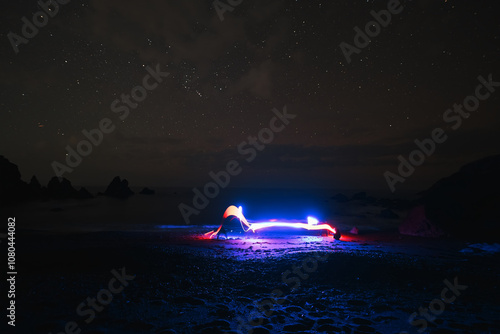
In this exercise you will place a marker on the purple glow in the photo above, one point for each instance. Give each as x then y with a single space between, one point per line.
312 224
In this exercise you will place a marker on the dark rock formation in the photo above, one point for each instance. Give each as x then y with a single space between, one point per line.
467 199
118 188
147 191
388 214
35 188
470 197
396 203
84 194
12 188
61 189
417 224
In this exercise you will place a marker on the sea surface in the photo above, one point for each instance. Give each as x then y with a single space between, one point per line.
145 212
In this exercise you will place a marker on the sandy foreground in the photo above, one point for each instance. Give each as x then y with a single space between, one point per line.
174 281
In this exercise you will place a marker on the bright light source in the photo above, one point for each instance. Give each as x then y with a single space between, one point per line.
312 220
241 209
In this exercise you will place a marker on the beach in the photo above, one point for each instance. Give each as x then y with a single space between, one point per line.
175 280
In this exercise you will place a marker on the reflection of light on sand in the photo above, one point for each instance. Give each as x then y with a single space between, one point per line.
271 246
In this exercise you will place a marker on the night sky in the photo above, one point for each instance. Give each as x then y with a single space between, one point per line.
353 119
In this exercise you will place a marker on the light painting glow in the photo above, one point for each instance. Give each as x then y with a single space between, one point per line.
260 225
232 211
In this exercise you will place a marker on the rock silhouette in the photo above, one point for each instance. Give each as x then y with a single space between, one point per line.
147 191
83 193
118 189
472 195
35 188
468 197
12 188
417 224
388 214
61 189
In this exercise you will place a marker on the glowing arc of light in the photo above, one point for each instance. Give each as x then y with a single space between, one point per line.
261 225
312 223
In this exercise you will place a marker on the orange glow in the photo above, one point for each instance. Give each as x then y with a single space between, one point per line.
238 212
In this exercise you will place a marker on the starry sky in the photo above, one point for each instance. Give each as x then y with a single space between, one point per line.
353 118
